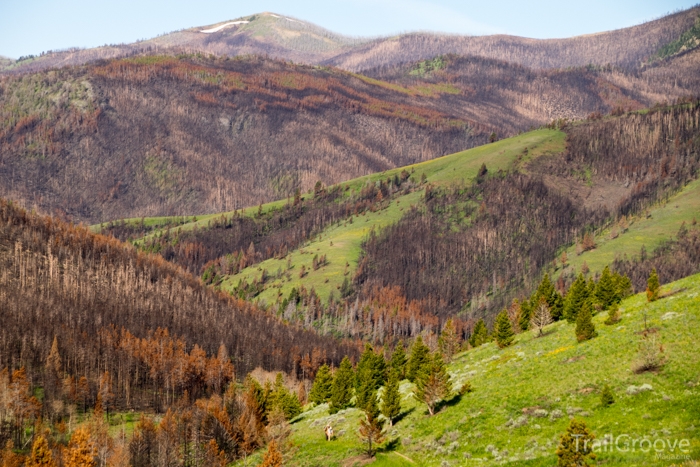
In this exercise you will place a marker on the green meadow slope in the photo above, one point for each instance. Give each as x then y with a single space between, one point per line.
342 243
525 395
649 230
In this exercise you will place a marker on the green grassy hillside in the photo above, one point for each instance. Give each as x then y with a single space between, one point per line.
525 395
342 243
659 224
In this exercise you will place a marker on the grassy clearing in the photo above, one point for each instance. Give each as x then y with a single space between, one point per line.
554 375
663 224
342 243
347 238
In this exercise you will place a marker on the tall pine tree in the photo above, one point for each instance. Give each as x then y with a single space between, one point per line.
433 384
321 389
398 360
341 391
503 330
585 329
370 375
418 359
605 293
575 298
526 310
391 398
449 340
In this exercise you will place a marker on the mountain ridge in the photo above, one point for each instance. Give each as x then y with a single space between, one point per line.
300 41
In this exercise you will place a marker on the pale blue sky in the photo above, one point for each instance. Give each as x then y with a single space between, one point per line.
33 26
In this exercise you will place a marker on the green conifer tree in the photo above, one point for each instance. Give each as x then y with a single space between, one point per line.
556 307
449 340
653 286
613 315
503 330
605 290
284 399
591 290
321 389
575 446
623 287
370 375
585 329
391 397
526 310
480 334
418 359
553 298
341 390
371 428
433 385
575 298
398 360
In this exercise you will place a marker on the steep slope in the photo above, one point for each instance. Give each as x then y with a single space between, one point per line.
524 97
467 242
524 396
97 298
164 135
159 135
612 167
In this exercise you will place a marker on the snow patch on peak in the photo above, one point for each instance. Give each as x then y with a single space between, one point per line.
222 26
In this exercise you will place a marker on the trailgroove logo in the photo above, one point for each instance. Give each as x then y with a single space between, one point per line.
664 448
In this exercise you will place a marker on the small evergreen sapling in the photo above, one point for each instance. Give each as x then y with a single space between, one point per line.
585 329
607 397
613 315
371 428
653 286
480 334
503 330
575 446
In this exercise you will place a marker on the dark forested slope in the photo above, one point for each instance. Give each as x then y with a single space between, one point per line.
107 304
516 222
